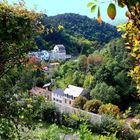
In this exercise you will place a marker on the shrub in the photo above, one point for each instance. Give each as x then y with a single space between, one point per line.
92 105
79 102
135 125
50 113
109 125
135 108
7 129
109 109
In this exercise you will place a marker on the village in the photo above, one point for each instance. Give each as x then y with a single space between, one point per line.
65 97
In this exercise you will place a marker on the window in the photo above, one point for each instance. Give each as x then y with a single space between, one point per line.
70 102
53 98
65 101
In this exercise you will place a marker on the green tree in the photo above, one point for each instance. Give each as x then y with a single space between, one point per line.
82 63
131 30
105 93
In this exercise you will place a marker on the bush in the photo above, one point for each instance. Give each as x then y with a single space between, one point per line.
50 113
79 102
92 105
109 125
135 108
135 125
109 109
7 129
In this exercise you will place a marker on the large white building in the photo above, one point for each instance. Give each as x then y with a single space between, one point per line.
67 96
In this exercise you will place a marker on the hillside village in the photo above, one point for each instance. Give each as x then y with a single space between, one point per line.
65 97
58 53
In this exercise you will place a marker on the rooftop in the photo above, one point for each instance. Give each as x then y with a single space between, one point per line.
58 91
73 91
60 46
39 91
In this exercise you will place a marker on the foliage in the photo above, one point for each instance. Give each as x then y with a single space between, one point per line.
109 125
52 133
131 29
84 133
111 10
105 93
79 102
122 131
50 113
109 109
77 35
132 37
7 129
92 105
135 125
16 34
107 67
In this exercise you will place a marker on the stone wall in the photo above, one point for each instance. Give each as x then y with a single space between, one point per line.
94 118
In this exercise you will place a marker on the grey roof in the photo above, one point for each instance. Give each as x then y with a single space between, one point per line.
58 91
61 47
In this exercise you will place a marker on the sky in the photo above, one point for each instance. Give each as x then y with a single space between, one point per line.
54 7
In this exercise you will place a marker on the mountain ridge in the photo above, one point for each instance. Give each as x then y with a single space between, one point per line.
81 34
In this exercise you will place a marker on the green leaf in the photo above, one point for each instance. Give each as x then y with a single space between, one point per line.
90 4
111 11
93 8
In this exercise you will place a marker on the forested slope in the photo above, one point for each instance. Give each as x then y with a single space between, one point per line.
80 34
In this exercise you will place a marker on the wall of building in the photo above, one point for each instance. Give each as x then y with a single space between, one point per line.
57 98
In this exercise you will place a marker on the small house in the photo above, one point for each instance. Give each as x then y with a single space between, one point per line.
59 49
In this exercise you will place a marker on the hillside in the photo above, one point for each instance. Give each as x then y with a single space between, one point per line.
80 34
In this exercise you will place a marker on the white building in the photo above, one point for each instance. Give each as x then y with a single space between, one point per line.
67 96
59 49
71 92
57 95
58 52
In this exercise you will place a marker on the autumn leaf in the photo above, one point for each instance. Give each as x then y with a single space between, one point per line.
111 11
99 16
